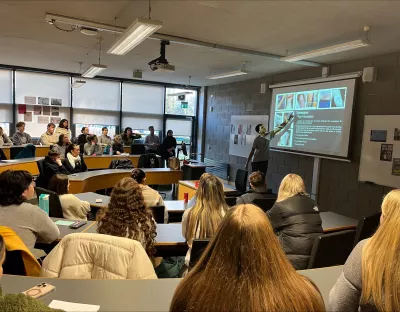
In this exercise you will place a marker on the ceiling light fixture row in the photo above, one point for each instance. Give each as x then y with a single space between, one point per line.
95 69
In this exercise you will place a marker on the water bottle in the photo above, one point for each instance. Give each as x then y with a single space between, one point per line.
44 203
111 150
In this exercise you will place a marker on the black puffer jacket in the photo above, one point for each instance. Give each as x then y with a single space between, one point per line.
297 223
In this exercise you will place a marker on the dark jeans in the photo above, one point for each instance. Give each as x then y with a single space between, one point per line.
261 166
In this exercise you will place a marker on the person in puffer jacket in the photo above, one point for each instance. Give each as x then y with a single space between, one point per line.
296 220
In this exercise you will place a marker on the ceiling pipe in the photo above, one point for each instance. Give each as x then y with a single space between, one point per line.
55 18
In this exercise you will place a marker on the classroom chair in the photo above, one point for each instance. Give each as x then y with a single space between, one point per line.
331 249
40 181
230 201
265 203
158 213
198 247
366 227
241 181
55 208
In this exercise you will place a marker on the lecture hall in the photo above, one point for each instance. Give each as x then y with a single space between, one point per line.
199 155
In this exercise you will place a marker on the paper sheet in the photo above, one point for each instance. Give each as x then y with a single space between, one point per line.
73 307
64 222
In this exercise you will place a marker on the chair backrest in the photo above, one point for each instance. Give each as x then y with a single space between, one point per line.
366 227
138 149
14 151
55 208
198 247
331 249
14 265
158 213
241 180
230 201
41 181
149 160
265 203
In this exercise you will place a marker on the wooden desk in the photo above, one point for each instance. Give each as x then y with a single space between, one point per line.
131 295
190 188
92 181
175 205
167 234
28 164
91 198
127 149
332 222
102 162
65 230
41 150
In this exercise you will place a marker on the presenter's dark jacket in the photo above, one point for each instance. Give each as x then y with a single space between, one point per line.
168 142
82 139
297 223
51 168
117 147
251 195
79 166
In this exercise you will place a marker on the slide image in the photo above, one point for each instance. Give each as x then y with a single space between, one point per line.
233 129
301 100
312 99
290 101
325 99
278 119
248 131
240 129
338 98
396 167
286 139
396 135
378 136
386 152
242 140
235 139
281 101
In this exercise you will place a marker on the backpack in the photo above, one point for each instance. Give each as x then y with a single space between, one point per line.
121 164
148 161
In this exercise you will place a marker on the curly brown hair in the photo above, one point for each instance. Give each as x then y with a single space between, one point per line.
128 216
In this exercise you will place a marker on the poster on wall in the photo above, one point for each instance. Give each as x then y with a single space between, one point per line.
56 102
386 152
55 111
43 119
28 116
43 101
30 99
46 110
55 120
396 167
243 133
37 110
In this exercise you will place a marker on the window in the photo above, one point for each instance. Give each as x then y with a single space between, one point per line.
143 99
6 87
181 102
182 129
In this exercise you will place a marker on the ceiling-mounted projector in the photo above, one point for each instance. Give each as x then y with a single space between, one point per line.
161 63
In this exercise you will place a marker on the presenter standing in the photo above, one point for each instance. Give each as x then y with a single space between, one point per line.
260 149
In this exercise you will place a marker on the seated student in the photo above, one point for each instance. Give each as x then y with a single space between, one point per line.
49 137
62 144
29 222
128 216
74 162
244 269
295 219
92 148
370 278
73 208
82 138
4 139
18 302
21 137
257 190
203 219
104 139
151 197
63 129
52 165
117 147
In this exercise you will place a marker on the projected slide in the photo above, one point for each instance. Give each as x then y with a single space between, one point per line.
322 117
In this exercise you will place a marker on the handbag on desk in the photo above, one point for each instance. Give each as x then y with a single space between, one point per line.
174 163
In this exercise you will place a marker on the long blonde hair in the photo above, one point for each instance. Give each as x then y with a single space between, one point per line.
245 269
291 185
205 217
380 259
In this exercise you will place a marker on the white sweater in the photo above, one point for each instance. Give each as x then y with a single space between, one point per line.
74 208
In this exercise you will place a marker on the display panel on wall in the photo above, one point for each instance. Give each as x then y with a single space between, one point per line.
96 129
243 132
322 118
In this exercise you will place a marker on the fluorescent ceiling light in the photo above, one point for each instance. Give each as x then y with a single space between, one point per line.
326 51
180 93
228 74
78 83
136 33
94 70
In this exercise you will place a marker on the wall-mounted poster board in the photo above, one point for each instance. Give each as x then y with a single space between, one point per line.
380 153
243 133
